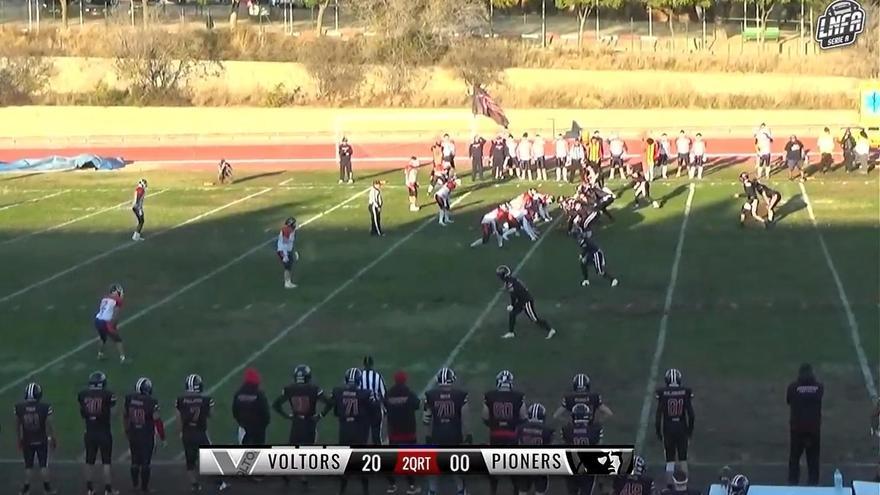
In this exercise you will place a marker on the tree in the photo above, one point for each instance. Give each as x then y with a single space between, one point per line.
583 9
64 8
670 7
504 4
478 64
322 9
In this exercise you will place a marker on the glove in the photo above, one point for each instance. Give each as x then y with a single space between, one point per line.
509 308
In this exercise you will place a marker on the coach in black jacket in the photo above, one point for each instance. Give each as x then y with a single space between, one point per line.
804 398
250 408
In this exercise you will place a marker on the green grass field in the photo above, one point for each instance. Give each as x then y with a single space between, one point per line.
203 294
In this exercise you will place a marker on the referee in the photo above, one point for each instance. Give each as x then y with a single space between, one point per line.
372 380
375 207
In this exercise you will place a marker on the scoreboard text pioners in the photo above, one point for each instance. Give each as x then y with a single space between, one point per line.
426 461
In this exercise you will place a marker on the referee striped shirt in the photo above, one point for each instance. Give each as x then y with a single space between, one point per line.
375 199
372 380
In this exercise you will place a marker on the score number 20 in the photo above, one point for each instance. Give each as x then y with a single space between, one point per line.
458 463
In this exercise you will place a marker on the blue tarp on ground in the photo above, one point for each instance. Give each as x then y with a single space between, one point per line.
62 163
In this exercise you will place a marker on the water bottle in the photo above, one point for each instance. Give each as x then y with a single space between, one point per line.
838 480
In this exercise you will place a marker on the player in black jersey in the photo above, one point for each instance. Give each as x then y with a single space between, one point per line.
750 207
354 407
250 408
592 255
95 406
520 300
142 423
401 406
446 413
642 188
581 394
534 433
303 397
193 410
674 421
581 431
637 483
35 435
771 198
504 409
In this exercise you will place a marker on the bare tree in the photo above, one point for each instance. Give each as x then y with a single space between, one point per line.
22 79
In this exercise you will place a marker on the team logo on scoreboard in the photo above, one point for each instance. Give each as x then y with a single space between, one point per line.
841 24
599 462
243 466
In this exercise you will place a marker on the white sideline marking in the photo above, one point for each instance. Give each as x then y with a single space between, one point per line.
482 316
844 301
171 297
75 220
320 304
33 200
127 245
285 182
664 325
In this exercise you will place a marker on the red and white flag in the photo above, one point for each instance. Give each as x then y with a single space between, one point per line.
483 104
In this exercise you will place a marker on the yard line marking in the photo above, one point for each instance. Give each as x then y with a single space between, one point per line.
320 304
285 182
127 245
844 301
33 200
482 316
75 220
664 324
169 298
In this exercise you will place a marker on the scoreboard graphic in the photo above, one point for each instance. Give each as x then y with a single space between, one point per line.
427 461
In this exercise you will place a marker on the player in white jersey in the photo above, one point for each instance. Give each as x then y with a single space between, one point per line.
763 141
511 161
617 150
137 207
106 321
683 150
410 178
519 219
539 158
491 224
540 204
561 158
524 157
286 250
442 198
698 150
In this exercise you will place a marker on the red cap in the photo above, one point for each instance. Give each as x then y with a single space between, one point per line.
400 377
252 376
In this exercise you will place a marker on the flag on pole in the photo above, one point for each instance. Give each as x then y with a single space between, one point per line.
483 104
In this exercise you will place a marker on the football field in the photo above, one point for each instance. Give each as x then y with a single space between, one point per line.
736 310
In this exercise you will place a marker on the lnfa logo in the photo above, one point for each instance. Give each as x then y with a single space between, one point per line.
840 25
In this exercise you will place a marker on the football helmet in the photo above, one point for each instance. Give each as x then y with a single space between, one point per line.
97 380
33 391
580 382
537 412
504 380
193 384
672 377
302 374
445 376
352 376
144 386
503 272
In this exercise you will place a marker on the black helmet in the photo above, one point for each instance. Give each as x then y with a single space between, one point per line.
581 412
537 412
33 391
97 380
193 384
503 272
144 386
302 373
352 376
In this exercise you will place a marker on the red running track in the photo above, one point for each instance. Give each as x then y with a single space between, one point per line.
317 155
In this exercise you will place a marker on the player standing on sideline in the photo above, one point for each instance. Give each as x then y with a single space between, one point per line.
520 300
106 321
847 145
411 180
794 157
499 157
401 405
804 398
750 191
825 143
446 413
665 151
137 207
581 432
592 255
699 157
372 381
442 199
637 482
576 161
353 406
863 151
504 409
224 172
643 190
534 433
303 397
193 410
511 162
771 199
447 147
539 157
652 155
34 435
683 149
674 421
250 408
581 394
561 154
285 247
95 407
141 422
475 151
345 152
763 142
617 150
374 204
524 157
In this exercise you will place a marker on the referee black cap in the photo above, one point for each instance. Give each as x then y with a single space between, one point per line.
368 362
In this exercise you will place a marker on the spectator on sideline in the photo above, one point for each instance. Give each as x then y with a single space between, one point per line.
804 398
863 151
345 152
825 143
848 144
475 151
794 157
250 408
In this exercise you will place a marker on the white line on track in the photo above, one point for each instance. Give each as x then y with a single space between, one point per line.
844 301
33 200
490 306
167 299
320 304
664 325
127 245
77 219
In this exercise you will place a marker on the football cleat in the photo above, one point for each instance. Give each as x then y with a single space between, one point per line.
97 380
614 283
445 376
672 377
585 283
144 386
508 335
193 384
290 285
33 392
550 334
